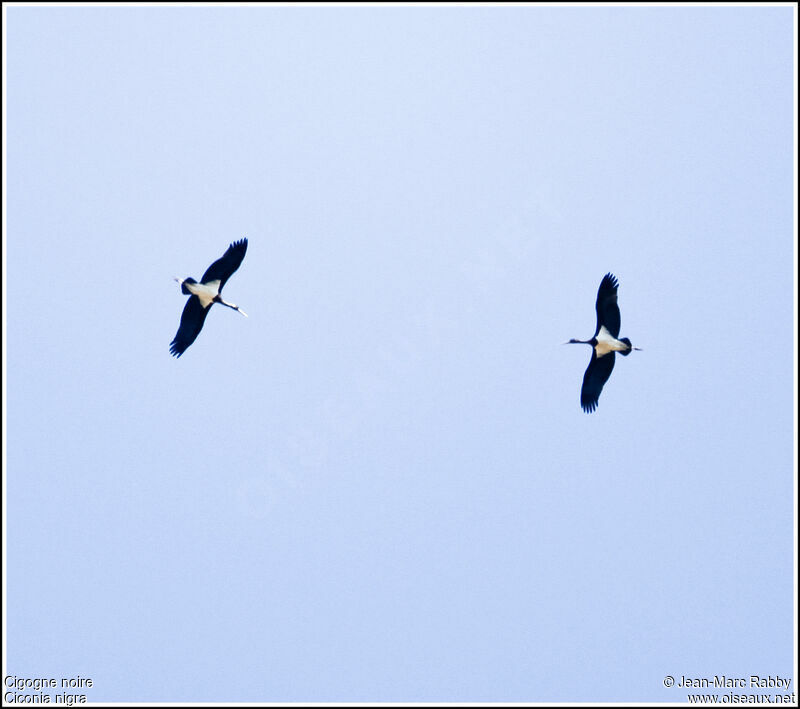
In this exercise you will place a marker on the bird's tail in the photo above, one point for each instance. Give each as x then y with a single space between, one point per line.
625 353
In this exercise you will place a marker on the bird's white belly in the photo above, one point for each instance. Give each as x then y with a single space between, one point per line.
606 343
205 292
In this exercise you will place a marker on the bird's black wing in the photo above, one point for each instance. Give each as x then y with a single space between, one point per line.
194 315
597 374
223 268
607 308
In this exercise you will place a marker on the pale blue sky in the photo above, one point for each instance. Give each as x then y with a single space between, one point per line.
380 486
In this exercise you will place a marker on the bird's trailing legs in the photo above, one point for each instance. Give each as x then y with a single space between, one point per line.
231 305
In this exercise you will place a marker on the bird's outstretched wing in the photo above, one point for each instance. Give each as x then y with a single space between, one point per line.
597 374
192 319
607 308
223 268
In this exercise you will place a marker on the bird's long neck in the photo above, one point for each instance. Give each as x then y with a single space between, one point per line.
578 342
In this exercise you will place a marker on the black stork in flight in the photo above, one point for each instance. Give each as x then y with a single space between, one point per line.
604 343
205 294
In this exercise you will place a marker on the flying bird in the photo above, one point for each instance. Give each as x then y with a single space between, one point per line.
604 343
204 294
